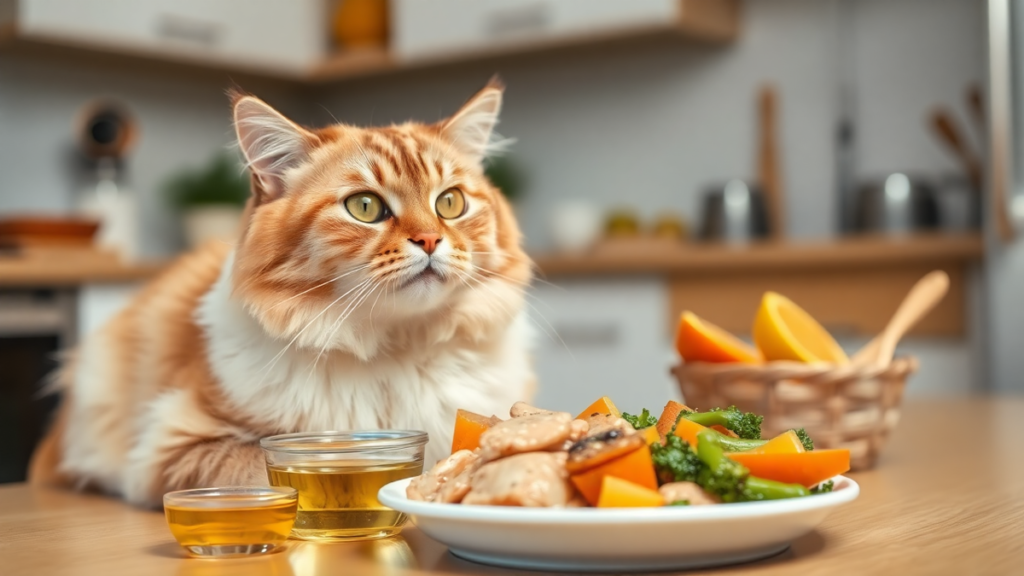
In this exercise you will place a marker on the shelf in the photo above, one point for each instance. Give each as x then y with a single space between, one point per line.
704 21
632 257
852 286
51 268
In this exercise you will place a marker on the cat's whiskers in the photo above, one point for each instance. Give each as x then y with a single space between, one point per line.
273 361
352 306
335 279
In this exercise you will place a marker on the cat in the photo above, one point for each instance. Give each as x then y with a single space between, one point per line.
378 283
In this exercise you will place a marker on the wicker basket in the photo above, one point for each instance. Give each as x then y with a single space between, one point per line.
840 406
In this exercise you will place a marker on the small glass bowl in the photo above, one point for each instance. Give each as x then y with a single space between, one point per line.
231 521
338 475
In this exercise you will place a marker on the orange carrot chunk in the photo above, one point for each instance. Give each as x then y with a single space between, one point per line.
635 467
669 416
468 428
619 493
805 468
602 405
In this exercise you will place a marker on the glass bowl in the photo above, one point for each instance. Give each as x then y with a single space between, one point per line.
231 521
338 474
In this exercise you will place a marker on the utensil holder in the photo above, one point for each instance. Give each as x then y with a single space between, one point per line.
840 406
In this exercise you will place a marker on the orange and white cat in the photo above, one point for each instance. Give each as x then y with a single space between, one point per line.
378 283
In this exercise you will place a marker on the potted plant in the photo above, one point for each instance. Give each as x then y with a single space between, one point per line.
210 200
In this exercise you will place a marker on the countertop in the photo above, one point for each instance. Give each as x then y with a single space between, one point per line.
946 498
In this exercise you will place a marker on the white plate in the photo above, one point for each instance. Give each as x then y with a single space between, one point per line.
622 539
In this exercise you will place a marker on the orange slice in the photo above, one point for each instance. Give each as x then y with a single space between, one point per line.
700 341
784 331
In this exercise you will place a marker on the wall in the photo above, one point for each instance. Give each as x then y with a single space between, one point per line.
184 119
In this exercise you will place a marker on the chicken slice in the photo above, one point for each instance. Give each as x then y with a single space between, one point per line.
601 423
520 409
536 479
455 489
426 486
688 491
526 434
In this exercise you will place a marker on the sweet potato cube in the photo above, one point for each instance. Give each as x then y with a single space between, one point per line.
619 493
603 405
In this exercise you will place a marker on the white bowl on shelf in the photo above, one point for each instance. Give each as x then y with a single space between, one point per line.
622 539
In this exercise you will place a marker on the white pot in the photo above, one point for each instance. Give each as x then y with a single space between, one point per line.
214 222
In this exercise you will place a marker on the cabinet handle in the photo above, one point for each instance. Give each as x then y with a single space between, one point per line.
527 19
190 30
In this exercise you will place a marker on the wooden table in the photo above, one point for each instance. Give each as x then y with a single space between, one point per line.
946 498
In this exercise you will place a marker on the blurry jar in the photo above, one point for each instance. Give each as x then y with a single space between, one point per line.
361 24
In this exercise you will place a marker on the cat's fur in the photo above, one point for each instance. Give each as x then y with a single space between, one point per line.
315 321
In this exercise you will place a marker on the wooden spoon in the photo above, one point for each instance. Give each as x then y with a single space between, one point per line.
919 301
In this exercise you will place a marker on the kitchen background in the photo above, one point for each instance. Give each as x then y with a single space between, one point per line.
611 117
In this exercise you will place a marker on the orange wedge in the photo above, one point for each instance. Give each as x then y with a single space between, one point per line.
700 341
784 331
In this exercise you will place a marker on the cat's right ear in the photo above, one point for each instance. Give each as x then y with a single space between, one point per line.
271 143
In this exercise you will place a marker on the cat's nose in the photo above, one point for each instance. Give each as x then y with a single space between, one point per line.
427 240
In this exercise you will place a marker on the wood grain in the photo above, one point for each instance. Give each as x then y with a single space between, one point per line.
938 503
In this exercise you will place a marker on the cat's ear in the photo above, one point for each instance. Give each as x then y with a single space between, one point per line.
470 128
271 143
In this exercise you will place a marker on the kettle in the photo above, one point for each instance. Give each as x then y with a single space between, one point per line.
897 204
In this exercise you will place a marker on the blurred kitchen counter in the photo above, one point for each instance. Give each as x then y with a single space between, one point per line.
852 285
70 267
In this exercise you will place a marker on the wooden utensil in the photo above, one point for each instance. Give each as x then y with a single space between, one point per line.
924 295
950 133
768 160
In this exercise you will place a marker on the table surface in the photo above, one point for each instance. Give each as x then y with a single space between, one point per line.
946 498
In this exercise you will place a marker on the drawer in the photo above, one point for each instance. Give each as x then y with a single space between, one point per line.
284 35
424 29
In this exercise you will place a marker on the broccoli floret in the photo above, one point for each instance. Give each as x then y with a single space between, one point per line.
644 420
823 488
805 439
745 424
675 461
732 481
680 503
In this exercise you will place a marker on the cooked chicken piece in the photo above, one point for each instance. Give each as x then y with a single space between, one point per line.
578 429
455 489
688 491
520 409
601 423
426 486
526 434
537 479
599 448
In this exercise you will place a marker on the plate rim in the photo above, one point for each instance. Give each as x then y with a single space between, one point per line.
393 496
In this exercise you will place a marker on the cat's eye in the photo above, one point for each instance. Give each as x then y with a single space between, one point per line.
451 204
367 207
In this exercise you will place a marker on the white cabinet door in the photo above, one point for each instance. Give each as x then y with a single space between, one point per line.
424 29
282 35
612 340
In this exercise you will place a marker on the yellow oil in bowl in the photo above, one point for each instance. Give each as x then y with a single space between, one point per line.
232 521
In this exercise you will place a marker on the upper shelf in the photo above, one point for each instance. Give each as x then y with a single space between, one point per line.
707 21
673 259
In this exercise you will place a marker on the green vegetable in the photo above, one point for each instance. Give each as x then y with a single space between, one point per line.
744 424
644 420
675 461
823 488
731 481
805 439
680 503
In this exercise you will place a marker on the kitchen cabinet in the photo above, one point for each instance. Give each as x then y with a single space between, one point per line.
426 29
270 35
602 339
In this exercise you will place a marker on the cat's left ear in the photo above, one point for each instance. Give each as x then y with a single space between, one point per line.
272 145
471 127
